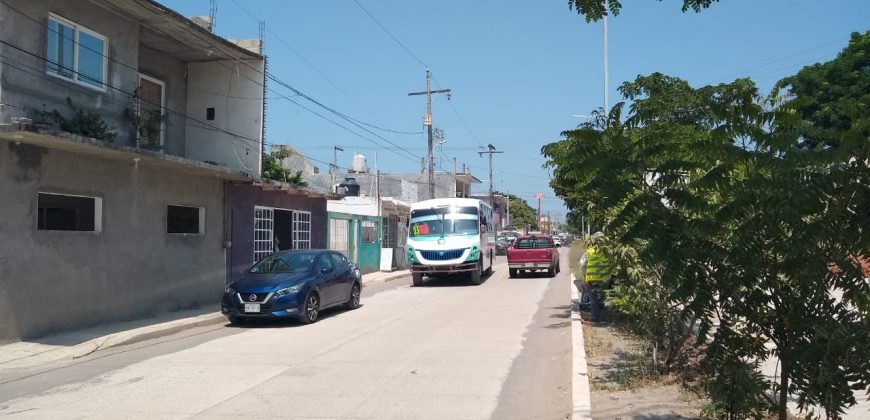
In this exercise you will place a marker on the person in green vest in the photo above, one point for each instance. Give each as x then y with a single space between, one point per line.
597 275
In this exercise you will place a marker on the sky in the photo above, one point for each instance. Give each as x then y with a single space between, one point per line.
520 71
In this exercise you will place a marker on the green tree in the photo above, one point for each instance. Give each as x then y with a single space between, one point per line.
272 168
522 213
745 215
594 10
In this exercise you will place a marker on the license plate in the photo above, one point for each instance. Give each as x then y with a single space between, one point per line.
252 307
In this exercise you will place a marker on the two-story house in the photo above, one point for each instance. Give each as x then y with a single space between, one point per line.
122 127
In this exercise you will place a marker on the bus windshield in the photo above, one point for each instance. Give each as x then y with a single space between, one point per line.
444 221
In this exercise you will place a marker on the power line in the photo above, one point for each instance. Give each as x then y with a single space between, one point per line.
390 34
322 74
799 53
130 94
411 53
235 59
284 84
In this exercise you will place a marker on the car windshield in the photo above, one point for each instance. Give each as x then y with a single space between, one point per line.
295 262
533 243
444 221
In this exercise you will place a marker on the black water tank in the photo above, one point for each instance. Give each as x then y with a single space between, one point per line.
350 187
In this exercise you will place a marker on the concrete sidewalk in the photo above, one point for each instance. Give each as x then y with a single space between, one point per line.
76 344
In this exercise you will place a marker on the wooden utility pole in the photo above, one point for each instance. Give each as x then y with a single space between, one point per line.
333 169
490 151
427 122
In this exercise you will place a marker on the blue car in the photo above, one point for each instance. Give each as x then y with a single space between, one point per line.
297 283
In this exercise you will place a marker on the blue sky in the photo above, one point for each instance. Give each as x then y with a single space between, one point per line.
518 69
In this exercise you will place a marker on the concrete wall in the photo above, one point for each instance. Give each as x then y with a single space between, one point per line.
235 91
363 206
410 188
170 71
240 202
28 87
53 281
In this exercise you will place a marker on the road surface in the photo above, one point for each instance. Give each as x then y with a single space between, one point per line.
450 350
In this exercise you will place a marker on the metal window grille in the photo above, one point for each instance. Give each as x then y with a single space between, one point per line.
338 235
301 230
390 226
263 232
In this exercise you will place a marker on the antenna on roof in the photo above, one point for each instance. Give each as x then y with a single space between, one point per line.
212 12
262 36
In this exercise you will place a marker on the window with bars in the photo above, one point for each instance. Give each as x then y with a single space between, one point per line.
369 231
338 235
301 230
263 232
390 229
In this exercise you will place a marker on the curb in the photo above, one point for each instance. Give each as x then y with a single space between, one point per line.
152 332
580 392
388 277
32 354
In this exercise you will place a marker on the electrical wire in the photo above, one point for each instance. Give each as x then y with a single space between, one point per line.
390 34
205 125
284 84
237 60
322 74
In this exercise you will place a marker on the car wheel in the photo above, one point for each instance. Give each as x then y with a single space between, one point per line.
512 272
551 272
489 270
353 301
476 275
417 279
311 308
234 320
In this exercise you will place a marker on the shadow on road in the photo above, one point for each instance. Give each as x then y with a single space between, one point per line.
455 280
289 322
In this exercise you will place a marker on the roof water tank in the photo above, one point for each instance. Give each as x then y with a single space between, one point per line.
359 165
350 187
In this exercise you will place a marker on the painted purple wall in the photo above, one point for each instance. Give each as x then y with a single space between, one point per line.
240 202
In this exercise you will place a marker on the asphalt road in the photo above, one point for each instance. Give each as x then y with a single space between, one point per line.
449 350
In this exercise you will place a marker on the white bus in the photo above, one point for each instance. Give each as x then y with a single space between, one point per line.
448 236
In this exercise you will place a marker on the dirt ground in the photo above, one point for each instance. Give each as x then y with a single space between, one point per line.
623 383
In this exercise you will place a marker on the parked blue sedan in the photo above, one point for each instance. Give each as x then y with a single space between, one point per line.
297 283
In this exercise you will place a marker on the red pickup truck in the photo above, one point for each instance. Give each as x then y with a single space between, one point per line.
533 253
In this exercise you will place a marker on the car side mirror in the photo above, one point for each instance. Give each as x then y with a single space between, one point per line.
325 270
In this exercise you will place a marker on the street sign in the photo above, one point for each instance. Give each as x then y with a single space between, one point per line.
539 196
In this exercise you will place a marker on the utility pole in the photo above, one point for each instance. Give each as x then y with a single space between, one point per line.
606 104
539 197
334 167
427 122
454 178
490 151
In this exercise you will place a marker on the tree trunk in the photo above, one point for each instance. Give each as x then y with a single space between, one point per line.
783 393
